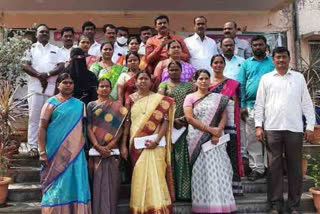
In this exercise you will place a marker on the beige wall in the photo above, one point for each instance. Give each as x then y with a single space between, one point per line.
280 20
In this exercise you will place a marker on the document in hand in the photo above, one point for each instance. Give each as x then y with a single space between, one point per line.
176 133
94 152
207 146
140 142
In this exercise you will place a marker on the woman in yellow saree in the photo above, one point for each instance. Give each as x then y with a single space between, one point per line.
150 113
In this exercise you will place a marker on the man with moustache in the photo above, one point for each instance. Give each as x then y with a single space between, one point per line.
231 70
110 32
43 62
89 29
145 34
282 99
249 77
67 35
233 62
242 47
156 48
201 47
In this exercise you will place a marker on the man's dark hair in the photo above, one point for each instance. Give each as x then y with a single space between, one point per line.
199 17
104 28
144 28
66 29
88 24
280 50
161 17
234 43
123 29
40 25
258 37
234 24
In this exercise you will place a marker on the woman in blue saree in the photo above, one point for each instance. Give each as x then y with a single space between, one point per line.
64 176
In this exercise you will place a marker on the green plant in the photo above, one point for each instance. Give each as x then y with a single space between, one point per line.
10 110
314 169
12 50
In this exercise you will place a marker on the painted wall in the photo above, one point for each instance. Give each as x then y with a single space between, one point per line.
251 21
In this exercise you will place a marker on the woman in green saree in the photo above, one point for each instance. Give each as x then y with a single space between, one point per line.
178 90
107 69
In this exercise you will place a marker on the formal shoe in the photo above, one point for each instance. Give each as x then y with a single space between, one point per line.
294 211
246 168
254 175
273 211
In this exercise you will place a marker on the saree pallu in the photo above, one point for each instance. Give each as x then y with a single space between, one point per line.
186 73
211 171
106 121
180 155
112 73
91 59
152 185
64 181
230 88
129 87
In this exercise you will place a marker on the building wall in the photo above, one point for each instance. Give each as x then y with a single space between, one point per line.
251 21
309 25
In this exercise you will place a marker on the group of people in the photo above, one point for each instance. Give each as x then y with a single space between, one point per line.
186 113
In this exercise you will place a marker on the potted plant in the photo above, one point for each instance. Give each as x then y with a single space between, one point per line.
304 164
12 109
13 45
314 172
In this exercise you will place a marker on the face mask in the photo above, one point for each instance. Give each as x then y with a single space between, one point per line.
122 40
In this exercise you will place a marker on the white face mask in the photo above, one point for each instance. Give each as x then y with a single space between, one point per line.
122 40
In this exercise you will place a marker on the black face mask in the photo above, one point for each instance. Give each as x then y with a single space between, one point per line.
79 73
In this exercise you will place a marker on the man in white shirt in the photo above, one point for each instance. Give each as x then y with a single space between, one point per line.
242 47
201 47
120 46
145 34
89 29
110 32
282 99
67 35
43 63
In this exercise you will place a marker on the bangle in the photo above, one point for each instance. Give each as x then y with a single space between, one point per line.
42 153
203 128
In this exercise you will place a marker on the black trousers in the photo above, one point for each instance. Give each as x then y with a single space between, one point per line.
290 143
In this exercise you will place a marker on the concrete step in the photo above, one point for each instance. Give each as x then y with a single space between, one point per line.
25 174
21 192
19 161
26 190
250 203
22 207
260 186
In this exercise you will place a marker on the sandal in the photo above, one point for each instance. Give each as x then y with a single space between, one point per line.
33 153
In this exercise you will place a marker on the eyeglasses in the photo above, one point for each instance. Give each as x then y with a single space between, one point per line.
67 82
